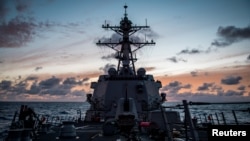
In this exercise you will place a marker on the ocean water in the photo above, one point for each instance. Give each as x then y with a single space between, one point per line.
70 111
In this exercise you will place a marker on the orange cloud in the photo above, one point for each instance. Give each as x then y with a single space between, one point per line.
210 82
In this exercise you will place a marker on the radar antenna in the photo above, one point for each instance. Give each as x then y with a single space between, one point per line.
125 53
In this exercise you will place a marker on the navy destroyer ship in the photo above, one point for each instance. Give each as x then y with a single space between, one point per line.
126 104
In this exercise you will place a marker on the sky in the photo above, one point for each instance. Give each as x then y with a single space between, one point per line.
48 48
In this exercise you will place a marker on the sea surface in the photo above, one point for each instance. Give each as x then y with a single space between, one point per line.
73 110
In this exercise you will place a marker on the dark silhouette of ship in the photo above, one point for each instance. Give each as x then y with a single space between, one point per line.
125 104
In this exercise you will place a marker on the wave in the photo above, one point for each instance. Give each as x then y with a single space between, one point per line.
4 118
64 113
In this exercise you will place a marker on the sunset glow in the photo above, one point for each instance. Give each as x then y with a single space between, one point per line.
48 50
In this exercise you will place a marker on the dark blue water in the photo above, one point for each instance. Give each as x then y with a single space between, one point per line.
70 110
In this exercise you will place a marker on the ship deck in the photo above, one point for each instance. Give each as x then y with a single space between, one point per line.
94 132
91 132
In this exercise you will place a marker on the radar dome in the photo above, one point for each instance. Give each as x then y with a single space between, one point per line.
112 71
141 72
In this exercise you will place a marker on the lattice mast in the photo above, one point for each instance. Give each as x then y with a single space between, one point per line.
125 57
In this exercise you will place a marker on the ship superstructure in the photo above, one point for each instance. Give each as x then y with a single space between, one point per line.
124 82
124 93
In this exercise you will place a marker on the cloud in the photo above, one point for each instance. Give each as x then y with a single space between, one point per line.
187 86
78 93
22 5
194 73
20 29
115 38
231 80
227 36
54 86
13 89
38 68
176 60
57 90
221 43
72 81
149 68
231 34
148 32
50 89
85 79
230 93
19 88
225 96
49 83
32 78
174 86
205 92
242 88
188 51
16 32
34 89
248 58
107 67
205 86
5 84
108 57
215 88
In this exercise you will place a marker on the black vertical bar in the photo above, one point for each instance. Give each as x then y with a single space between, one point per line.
235 118
200 118
217 119
211 117
205 117
188 118
223 117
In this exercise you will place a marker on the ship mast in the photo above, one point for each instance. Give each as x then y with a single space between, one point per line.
125 57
